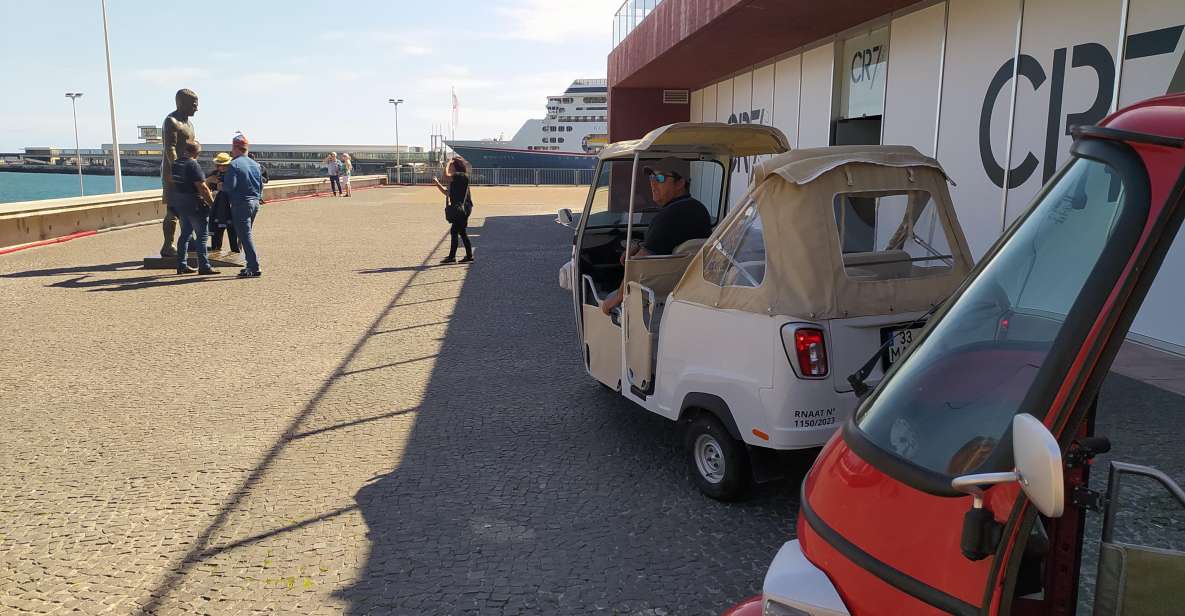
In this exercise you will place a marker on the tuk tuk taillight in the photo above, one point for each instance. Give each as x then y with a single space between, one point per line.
811 352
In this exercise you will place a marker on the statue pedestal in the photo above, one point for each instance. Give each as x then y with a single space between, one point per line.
217 259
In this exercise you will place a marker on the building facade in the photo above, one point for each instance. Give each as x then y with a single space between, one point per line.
990 88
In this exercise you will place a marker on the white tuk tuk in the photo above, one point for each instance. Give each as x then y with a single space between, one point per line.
746 338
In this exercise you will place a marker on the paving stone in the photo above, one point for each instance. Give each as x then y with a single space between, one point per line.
358 431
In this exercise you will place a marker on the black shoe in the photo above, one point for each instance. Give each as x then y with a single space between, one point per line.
186 270
467 259
168 251
246 273
207 272
449 260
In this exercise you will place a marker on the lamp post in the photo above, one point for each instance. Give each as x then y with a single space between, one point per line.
111 102
74 96
398 166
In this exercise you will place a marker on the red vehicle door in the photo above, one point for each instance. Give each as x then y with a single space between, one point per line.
1033 330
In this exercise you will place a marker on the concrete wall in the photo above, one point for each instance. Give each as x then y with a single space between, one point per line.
33 221
949 91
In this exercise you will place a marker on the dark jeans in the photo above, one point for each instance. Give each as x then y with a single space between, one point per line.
458 230
216 237
244 214
335 184
194 221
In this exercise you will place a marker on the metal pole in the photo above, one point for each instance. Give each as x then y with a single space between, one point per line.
77 150
111 101
398 158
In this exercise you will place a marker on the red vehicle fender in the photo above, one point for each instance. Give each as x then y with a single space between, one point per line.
748 607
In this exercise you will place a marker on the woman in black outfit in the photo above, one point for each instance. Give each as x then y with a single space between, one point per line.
455 173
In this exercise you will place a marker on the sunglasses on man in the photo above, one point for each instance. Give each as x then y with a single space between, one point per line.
661 178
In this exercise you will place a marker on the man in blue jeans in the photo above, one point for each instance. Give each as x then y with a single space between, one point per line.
243 183
190 200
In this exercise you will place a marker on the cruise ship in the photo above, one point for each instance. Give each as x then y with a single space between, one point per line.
574 130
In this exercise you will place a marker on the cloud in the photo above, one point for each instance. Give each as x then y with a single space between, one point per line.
267 81
547 21
170 77
416 50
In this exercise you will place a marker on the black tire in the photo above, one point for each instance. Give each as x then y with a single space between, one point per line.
719 463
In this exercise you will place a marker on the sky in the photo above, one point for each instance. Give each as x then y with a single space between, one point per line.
296 71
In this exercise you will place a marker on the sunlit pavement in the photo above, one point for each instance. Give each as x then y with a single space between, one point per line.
357 431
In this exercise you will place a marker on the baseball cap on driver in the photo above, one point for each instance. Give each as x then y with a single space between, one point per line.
670 165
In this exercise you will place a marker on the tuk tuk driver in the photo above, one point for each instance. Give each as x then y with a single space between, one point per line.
681 217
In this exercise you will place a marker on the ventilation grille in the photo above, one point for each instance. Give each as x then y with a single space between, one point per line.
676 97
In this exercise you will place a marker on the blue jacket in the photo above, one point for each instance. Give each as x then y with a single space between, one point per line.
243 181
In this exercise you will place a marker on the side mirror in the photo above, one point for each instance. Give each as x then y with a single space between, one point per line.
1039 473
564 217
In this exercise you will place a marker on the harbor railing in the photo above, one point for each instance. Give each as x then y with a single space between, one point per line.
499 177
631 13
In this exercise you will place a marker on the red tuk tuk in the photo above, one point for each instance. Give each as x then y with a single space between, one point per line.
960 483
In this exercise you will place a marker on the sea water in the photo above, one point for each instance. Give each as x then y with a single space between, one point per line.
16 186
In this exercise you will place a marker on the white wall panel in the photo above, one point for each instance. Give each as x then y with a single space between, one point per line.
818 79
742 113
1151 29
1144 77
723 100
697 106
911 94
1068 76
709 108
787 80
981 37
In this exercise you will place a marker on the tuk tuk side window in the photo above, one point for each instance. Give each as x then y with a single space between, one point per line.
948 403
611 193
891 234
737 259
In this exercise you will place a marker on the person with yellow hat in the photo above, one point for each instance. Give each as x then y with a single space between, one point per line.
220 218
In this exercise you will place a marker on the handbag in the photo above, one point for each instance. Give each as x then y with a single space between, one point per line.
454 213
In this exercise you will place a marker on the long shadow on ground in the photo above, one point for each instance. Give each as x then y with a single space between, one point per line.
527 488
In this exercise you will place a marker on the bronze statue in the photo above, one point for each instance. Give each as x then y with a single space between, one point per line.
176 132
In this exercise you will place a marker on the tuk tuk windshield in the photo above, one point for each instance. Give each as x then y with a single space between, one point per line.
949 402
611 193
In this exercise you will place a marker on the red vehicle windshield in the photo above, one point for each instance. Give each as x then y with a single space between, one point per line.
944 408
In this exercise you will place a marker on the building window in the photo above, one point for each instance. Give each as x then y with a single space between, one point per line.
561 139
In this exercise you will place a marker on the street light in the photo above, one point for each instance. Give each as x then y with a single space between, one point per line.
111 102
398 169
74 96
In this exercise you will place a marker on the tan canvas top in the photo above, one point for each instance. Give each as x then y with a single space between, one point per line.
805 276
707 137
802 166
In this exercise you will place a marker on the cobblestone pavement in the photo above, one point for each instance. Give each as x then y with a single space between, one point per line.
358 431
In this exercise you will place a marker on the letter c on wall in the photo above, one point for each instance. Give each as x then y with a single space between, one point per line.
1030 69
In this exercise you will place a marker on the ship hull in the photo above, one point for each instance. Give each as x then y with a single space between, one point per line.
484 157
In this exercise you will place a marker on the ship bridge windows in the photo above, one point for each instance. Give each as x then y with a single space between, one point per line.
596 99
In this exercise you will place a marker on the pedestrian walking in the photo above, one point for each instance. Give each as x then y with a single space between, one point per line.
191 202
243 184
347 169
333 168
457 207
221 221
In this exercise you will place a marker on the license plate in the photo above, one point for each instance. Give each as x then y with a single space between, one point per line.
903 338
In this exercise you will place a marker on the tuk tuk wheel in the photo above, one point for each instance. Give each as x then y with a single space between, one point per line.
719 463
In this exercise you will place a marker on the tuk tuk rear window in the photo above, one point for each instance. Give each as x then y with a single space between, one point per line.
1001 347
891 234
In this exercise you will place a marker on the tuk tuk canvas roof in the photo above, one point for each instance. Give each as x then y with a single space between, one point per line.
714 137
805 274
802 166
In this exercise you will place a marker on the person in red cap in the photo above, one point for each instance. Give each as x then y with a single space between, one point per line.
243 183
